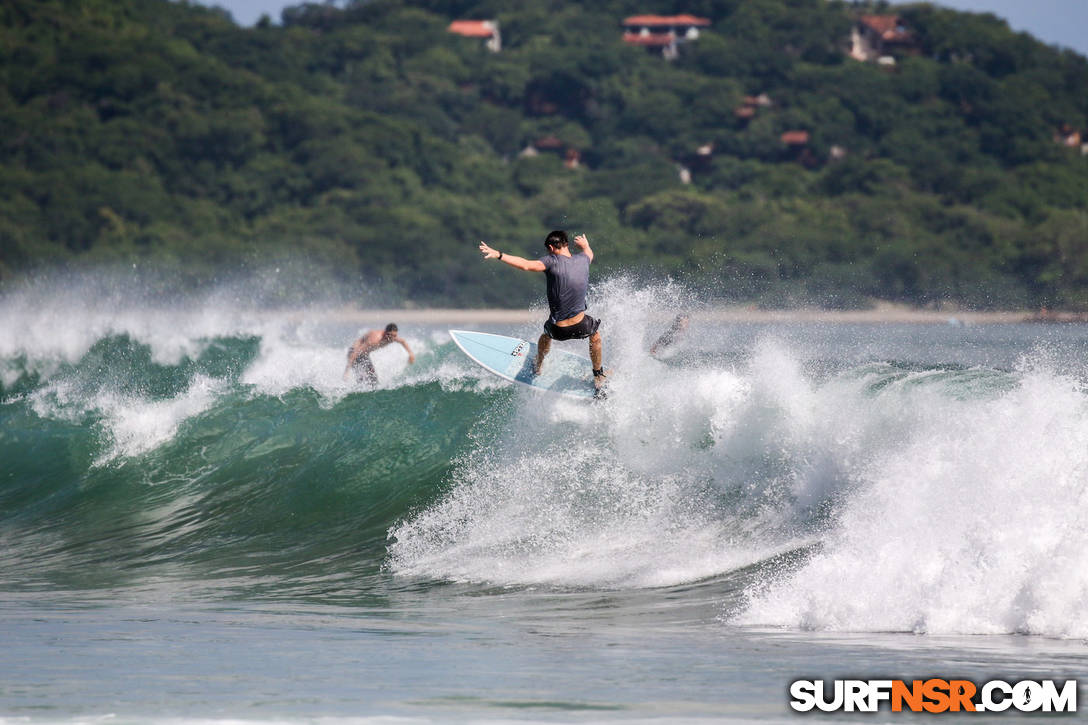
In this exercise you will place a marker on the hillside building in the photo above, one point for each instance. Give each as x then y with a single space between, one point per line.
488 30
876 38
662 33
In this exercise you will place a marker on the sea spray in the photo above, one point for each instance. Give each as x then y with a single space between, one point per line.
845 477
695 473
646 489
186 437
974 523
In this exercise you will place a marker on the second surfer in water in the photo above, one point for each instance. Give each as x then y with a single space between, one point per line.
359 354
672 335
568 279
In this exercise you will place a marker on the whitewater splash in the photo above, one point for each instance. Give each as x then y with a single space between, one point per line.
974 523
928 498
823 485
143 364
642 491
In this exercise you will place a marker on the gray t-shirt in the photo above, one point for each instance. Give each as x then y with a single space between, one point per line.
568 279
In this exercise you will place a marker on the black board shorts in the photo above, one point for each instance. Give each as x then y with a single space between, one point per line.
582 330
364 370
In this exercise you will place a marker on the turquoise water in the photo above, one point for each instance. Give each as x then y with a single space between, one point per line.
200 520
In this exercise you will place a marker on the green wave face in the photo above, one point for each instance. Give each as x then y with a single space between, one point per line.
121 467
224 455
118 468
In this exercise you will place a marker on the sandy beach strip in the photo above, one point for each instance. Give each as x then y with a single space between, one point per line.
879 314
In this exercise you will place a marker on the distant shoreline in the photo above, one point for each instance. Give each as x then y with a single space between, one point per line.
880 314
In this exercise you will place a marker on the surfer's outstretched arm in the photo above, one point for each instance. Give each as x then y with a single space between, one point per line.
529 265
411 357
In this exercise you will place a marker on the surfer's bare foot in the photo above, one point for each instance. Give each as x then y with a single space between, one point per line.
600 378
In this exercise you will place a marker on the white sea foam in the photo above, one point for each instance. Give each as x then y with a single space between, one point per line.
131 425
627 493
137 426
48 329
975 523
56 322
52 323
939 499
296 355
681 475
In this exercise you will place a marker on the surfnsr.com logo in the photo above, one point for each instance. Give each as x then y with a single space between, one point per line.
933 695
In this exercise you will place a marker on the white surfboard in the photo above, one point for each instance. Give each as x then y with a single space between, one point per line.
564 373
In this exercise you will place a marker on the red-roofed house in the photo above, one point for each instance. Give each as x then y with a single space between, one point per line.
662 32
875 36
488 29
796 146
795 138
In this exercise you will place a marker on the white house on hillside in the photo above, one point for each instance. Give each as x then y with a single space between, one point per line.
662 31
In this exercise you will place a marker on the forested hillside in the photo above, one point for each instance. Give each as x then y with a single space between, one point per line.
762 163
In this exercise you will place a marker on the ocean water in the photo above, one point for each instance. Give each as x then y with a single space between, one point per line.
201 521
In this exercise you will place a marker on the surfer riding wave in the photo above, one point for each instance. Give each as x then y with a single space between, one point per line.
359 353
567 282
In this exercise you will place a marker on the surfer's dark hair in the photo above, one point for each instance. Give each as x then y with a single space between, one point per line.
557 239
391 327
